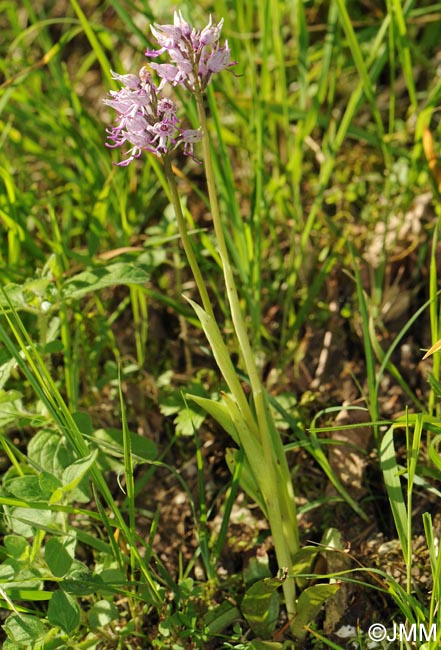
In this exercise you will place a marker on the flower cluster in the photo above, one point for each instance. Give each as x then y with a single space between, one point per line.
195 54
145 119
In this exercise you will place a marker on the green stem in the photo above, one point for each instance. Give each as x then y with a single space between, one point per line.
279 496
228 371
186 241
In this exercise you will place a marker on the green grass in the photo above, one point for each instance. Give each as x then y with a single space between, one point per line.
317 142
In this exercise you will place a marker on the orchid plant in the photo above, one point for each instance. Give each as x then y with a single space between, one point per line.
147 121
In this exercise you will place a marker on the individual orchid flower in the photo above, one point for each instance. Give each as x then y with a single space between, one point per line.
195 54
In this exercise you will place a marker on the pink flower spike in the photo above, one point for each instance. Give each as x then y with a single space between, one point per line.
194 54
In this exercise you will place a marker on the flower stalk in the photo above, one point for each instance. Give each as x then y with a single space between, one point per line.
278 493
148 121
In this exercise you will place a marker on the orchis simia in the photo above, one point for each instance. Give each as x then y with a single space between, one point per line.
147 121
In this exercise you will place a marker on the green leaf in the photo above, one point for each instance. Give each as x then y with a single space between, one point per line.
142 448
302 563
63 612
257 644
49 483
17 547
246 479
73 474
23 521
27 488
83 422
7 571
81 582
50 451
189 417
434 451
102 613
24 629
260 606
391 474
221 617
101 277
59 555
72 477
218 411
308 606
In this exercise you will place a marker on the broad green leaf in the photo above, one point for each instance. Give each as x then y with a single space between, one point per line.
102 613
302 563
9 397
257 644
59 555
7 571
24 629
100 277
63 612
220 617
81 582
27 488
11 410
189 416
73 474
260 606
17 547
142 448
49 450
308 606
23 521
49 483
83 422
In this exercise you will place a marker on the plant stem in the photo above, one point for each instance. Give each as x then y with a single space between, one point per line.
186 241
279 497
228 370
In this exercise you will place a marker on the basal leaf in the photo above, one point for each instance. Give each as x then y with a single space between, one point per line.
302 563
260 606
308 606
